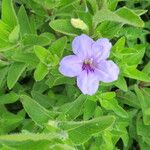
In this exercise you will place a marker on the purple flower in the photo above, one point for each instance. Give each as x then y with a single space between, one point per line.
89 64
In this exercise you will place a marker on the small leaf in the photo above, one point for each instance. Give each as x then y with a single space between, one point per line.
80 132
147 68
143 97
40 72
62 147
14 72
8 13
69 110
92 6
8 47
119 45
21 137
128 98
89 109
3 74
58 46
9 121
86 17
4 31
133 73
41 53
64 26
108 101
121 83
8 98
38 114
122 15
140 12
55 78
24 23
108 29
48 4
133 56
33 39
26 57
131 17
14 35
42 99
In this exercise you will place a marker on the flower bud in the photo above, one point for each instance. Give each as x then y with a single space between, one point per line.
78 23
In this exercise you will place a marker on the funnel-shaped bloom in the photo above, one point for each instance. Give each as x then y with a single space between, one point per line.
89 63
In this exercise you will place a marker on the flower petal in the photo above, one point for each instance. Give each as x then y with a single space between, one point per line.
70 66
107 71
82 46
87 83
101 48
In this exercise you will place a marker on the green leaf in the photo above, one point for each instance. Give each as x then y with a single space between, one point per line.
69 110
121 83
129 98
143 98
132 56
142 129
38 114
119 45
8 98
58 46
89 109
108 29
3 63
107 95
86 17
41 53
3 73
110 103
140 12
14 72
112 4
108 143
147 68
122 15
25 27
133 73
21 137
144 145
8 47
62 147
42 99
33 39
46 57
4 31
40 72
130 16
80 132
9 121
8 13
92 5
58 79
14 35
67 2
143 140
64 26
40 87
26 57
48 4
147 111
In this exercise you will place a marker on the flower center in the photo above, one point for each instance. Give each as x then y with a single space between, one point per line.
88 65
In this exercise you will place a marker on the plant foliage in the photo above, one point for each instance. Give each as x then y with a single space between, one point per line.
40 109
